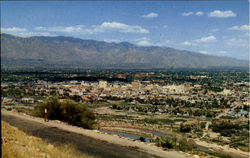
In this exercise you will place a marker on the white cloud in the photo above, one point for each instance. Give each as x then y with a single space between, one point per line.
23 32
198 41
206 39
29 34
69 29
238 42
104 27
77 29
66 29
221 14
187 43
13 30
187 13
199 13
240 28
166 43
123 28
204 52
151 15
144 42
113 40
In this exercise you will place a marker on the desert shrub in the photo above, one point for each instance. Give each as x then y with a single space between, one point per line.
173 142
88 119
69 112
185 128
203 125
184 145
142 139
165 142
114 106
225 128
228 117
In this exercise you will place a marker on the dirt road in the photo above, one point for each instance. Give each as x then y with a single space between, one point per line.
87 141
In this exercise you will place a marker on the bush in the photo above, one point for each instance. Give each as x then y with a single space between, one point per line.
142 139
203 125
185 128
225 128
69 112
172 142
114 106
165 142
184 145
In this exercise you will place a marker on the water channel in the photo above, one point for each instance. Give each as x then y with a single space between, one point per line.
133 136
147 139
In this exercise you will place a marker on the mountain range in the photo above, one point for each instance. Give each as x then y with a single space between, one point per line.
60 51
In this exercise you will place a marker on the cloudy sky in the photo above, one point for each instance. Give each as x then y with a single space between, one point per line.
216 27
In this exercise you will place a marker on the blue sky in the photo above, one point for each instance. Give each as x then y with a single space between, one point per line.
216 27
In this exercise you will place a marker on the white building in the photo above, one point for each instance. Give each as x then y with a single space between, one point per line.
27 100
174 89
226 92
103 84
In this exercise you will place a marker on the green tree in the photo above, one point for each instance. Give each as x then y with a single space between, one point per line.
69 112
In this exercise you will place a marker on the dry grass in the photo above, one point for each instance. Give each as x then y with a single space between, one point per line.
17 144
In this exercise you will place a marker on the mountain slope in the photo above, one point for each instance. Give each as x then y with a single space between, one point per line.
73 52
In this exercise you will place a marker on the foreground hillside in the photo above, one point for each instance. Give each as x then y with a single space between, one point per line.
16 143
54 52
93 142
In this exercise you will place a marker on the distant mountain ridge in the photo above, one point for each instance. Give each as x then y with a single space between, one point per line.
60 51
